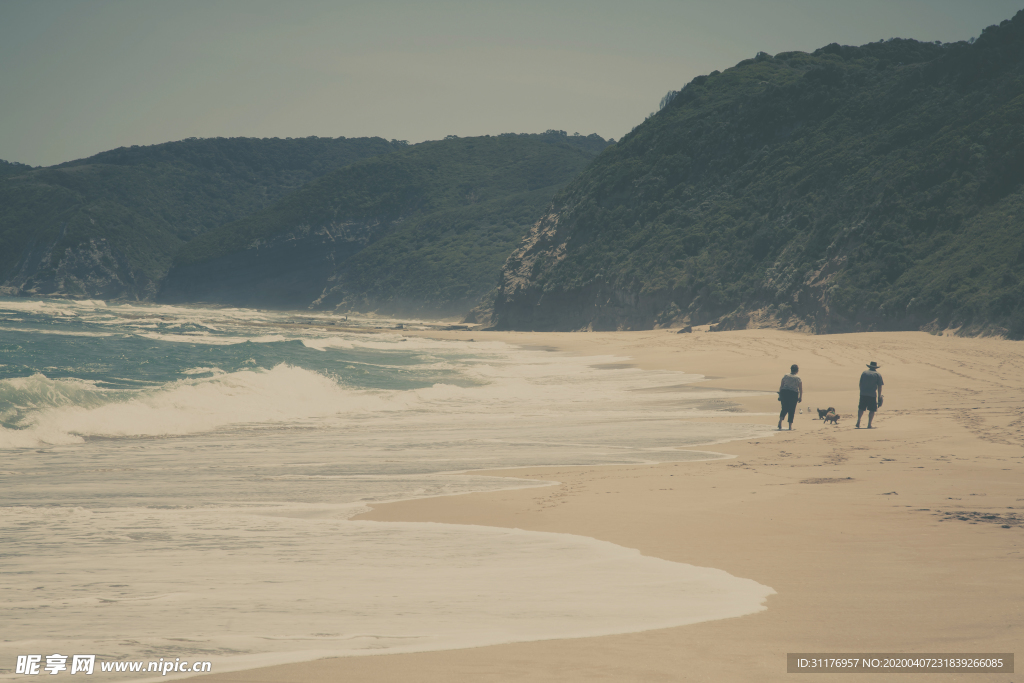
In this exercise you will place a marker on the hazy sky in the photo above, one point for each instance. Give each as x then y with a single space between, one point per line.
81 76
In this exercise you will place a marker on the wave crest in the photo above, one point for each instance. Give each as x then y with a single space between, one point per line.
39 411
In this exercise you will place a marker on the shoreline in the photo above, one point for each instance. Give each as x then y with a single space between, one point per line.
875 541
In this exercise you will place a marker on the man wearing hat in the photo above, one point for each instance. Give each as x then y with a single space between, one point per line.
870 393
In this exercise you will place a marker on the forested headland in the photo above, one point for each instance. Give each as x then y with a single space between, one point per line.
422 231
108 226
853 188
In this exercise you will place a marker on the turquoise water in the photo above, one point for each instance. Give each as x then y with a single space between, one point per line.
116 350
179 482
125 350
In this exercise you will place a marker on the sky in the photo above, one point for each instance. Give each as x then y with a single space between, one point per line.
82 76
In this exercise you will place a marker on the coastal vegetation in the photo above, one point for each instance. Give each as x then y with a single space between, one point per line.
110 224
871 187
12 168
422 230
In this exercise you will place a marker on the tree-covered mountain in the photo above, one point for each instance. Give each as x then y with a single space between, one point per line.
108 226
871 187
421 231
12 168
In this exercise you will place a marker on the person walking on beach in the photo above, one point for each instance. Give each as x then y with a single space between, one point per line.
870 393
791 392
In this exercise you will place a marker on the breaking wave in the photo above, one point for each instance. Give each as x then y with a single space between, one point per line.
38 411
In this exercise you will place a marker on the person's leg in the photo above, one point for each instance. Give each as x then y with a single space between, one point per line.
871 416
792 413
860 414
782 414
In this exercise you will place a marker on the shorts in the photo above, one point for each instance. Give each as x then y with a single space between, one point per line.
789 401
869 403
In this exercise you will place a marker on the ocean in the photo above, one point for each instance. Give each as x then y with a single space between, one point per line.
179 483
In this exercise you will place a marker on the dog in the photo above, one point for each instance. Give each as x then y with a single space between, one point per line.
826 411
832 417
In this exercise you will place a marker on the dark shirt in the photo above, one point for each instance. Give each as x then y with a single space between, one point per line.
869 382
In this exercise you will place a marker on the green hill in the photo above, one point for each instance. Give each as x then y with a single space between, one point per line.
423 230
12 168
108 226
871 187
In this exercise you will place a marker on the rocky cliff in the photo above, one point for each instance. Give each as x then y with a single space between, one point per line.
94 269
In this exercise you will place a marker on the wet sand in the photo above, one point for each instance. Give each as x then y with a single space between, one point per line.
905 538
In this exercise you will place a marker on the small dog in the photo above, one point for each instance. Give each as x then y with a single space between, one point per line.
832 417
823 413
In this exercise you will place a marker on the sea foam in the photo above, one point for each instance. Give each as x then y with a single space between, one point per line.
257 587
64 411
191 496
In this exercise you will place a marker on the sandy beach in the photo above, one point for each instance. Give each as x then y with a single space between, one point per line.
905 538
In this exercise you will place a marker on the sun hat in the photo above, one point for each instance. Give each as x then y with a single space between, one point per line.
873 365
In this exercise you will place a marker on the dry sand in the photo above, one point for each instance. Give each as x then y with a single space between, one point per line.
888 540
